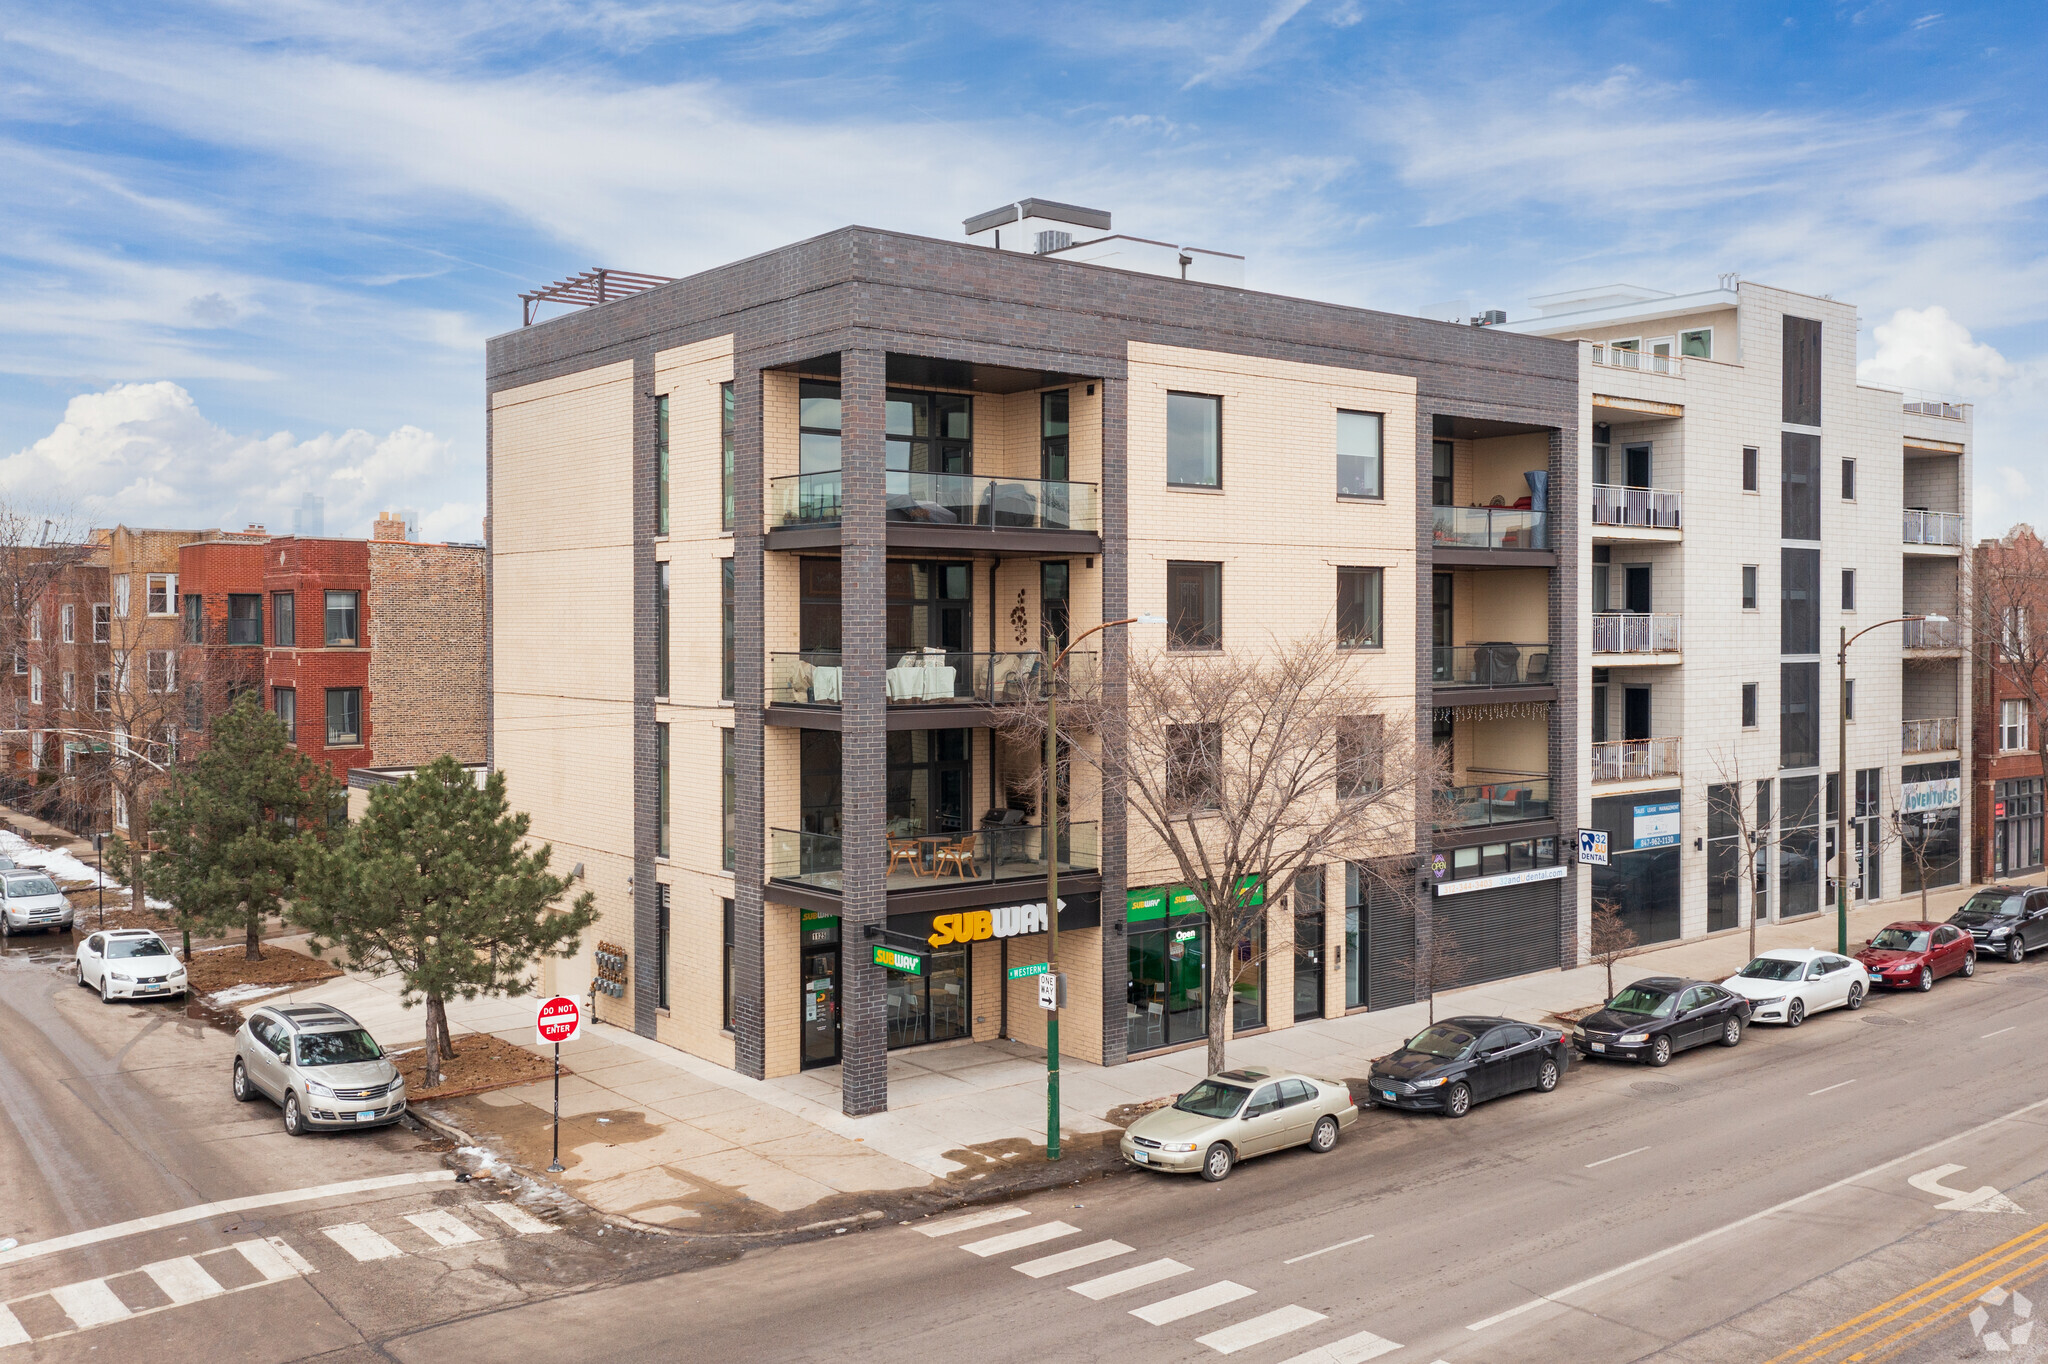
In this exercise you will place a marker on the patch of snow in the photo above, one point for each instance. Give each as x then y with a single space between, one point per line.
240 994
62 866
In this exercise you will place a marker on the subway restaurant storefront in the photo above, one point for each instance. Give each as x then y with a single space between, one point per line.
1167 939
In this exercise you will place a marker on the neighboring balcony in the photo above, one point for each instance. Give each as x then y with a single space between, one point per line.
1623 513
987 856
1491 535
1492 667
943 511
1937 735
926 688
1641 362
1933 532
1620 760
1510 800
1932 638
1622 638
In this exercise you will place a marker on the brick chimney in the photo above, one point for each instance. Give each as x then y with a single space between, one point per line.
388 527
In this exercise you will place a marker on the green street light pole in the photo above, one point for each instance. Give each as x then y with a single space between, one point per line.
1842 788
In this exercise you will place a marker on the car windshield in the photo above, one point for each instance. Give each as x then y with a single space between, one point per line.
1637 999
31 885
1989 904
337 1048
1773 968
1212 1100
1900 940
118 948
1442 1040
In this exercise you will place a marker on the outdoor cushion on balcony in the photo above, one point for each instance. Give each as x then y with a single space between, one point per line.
1008 504
904 507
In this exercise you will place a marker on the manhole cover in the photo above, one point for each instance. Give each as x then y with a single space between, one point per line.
1886 1020
1654 1087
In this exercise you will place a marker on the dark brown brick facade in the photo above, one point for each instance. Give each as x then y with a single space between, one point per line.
427 653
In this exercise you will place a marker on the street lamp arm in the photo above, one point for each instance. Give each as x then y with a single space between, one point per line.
1895 620
1093 629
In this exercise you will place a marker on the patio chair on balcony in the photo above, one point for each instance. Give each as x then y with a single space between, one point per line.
959 856
1538 672
908 852
1023 684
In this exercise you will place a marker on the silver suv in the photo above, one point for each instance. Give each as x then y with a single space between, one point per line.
30 900
319 1065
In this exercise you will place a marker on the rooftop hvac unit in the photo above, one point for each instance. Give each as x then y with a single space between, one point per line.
1053 240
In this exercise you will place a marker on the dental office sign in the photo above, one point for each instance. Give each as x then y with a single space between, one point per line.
973 925
1918 796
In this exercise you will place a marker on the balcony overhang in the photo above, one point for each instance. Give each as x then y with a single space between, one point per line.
1446 557
1668 658
1603 533
1634 407
966 376
1454 696
923 715
1493 833
1914 551
968 895
1005 540
1636 786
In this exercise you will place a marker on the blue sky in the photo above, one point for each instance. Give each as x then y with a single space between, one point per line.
251 249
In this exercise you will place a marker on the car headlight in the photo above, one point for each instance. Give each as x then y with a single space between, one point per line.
1578 1032
2001 932
1178 1147
125 980
1432 1084
1631 1038
318 1090
1774 999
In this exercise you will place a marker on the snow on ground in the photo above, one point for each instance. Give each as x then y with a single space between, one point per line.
242 994
61 865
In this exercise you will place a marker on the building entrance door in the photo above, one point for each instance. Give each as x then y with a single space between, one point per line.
821 1006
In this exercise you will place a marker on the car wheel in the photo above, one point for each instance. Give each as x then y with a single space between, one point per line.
294 1120
2015 948
106 990
1325 1135
1926 978
1546 1077
6 929
1660 1050
1731 1030
1458 1102
244 1091
1795 1013
1216 1164
1855 997
1969 965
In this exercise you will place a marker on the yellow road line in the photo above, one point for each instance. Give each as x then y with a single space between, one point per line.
1975 1291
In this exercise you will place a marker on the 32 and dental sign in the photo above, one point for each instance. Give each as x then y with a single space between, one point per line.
973 925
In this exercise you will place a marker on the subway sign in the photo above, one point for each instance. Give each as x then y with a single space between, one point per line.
973 925
909 963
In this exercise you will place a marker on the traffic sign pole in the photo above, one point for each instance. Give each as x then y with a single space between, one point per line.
558 1020
555 1166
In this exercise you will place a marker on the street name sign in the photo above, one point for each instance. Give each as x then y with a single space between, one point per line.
1036 968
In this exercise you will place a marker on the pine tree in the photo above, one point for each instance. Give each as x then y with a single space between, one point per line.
234 824
435 881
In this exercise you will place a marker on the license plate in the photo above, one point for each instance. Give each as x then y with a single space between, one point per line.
1141 1158
1597 1046
1387 1094
365 1116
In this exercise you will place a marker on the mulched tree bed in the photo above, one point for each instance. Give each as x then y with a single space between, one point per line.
482 1062
220 968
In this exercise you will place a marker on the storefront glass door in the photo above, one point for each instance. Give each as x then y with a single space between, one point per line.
821 1003
931 1007
1165 996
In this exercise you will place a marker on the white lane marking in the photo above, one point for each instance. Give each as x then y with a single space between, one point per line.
445 1227
1017 1240
1259 1330
1984 1199
199 1212
1124 1280
11 1332
1350 1350
1076 1258
1196 1300
91 1303
273 1259
1623 1156
1758 1216
182 1280
969 1221
518 1218
1327 1249
358 1240
2000 1031
1828 1089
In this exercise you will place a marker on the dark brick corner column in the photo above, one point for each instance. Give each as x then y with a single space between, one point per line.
1116 652
863 731
646 793
1567 762
749 814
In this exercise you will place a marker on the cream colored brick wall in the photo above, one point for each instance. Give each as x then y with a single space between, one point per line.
985 989
782 948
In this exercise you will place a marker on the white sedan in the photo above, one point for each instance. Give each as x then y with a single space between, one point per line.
129 963
1786 984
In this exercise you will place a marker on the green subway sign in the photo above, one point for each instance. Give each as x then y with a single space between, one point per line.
909 963
1178 902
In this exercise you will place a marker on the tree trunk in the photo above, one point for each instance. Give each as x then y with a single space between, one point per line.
253 944
137 900
1218 987
437 1009
436 1026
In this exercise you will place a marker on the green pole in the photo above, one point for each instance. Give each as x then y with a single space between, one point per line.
1842 796
1052 912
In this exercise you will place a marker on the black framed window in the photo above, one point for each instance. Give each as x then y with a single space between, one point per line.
929 605
1749 705
1053 430
285 702
725 424
1749 587
1798 715
1799 848
195 619
817 605
661 789
661 945
1724 857
1799 593
928 774
726 637
1848 480
661 465
1194 606
1360 437
1802 371
1848 589
661 629
730 798
725 1013
1848 698
284 620
1441 458
1054 578
927 433
1749 476
344 717
1308 944
1359 601
245 618
1194 440
817 442
1799 486
343 618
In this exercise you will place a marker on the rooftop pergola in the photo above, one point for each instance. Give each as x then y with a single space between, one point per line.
587 290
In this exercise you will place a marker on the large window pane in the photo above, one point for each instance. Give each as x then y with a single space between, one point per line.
1359 594
1799 486
1194 440
661 465
344 717
1359 437
661 629
726 637
725 427
661 839
1194 596
1801 372
284 620
1799 715
1799 591
341 620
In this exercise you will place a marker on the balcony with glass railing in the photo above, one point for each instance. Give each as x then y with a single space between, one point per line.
1491 665
1933 634
1636 508
990 854
1627 633
1506 800
918 677
956 501
1617 760
1492 528
1940 529
1934 735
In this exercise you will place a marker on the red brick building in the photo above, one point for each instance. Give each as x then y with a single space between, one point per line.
2006 767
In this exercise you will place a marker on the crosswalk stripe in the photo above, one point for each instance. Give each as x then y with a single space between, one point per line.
273 1259
1124 1280
1350 1350
1072 1259
182 1280
1187 1304
445 1227
11 1332
358 1240
1260 1329
969 1221
1017 1240
518 1218
91 1303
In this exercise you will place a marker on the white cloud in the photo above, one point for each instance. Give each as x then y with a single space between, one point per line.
1926 349
144 454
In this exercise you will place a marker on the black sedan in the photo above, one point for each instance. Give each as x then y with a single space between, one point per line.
1449 1066
1653 1018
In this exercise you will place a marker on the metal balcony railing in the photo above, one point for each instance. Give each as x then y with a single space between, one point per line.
1933 528
1635 759
1622 632
927 676
1934 634
1651 508
994 852
1491 665
1507 801
1935 735
1490 528
1622 357
964 500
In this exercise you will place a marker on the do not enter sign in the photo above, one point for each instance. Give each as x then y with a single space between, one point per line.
559 1020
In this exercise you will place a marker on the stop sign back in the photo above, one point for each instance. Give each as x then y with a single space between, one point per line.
559 1020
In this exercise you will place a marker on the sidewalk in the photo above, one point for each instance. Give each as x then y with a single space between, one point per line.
660 1136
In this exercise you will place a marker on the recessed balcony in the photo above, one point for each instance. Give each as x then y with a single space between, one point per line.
1933 637
987 856
1935 735
942 511
1488 670
926 688
1508 800
1490 536
1627 638
1635 760
1625 513
1932 532
1638 361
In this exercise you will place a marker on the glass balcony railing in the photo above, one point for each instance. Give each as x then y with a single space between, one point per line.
1635 759
1491 665
1624 632
1934 634
928 861
1932 528
1490 528
967 500
1935 735
1507 801
1642 508
927 676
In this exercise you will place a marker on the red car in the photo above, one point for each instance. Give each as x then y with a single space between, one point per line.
1911 955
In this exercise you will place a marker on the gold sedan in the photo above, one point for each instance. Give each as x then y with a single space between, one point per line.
1236 1114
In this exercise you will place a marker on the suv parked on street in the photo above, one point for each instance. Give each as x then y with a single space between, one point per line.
319 1065
2006 921
30 900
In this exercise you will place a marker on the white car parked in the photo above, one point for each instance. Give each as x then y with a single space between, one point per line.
129 963
30 900
1786 984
